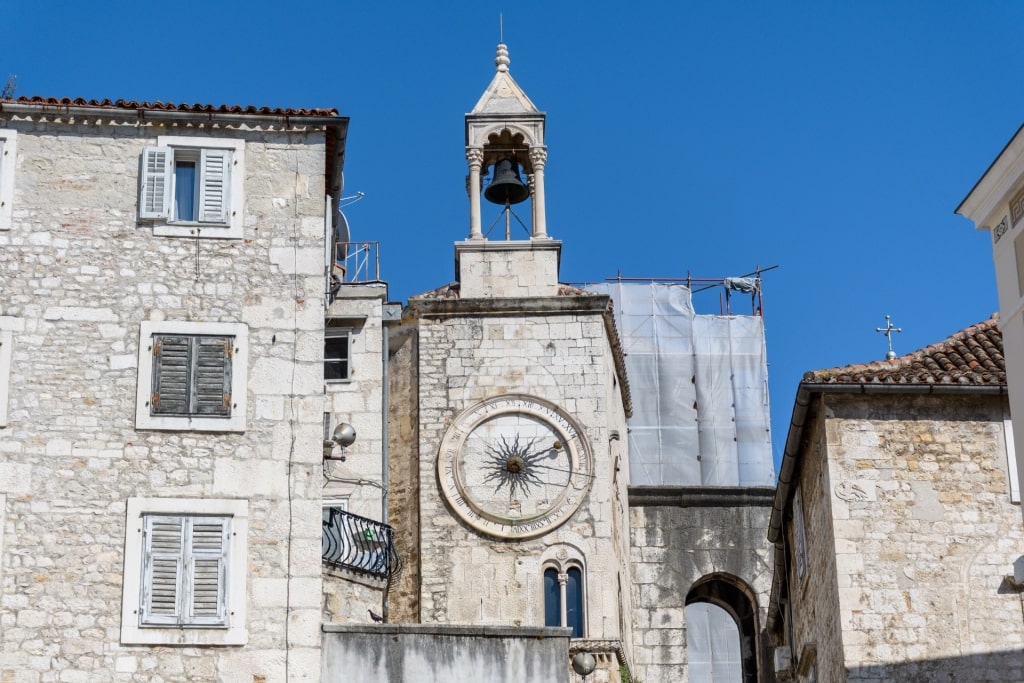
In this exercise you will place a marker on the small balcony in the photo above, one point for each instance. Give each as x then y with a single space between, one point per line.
357 262
359 544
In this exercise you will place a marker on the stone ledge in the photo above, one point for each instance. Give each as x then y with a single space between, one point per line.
459 630
701 496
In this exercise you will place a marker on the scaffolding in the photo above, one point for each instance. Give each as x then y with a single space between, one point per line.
699 385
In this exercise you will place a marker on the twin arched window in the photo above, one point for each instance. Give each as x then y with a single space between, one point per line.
563 599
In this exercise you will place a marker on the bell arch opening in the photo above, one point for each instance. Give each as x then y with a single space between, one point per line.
715 600
508 143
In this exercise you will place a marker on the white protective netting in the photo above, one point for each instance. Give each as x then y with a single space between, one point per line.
699 385
712 645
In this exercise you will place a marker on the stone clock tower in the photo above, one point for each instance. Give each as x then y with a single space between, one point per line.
509 405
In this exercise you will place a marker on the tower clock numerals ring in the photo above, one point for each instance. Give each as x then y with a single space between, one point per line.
514 466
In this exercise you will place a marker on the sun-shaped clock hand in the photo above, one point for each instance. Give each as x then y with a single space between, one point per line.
516 465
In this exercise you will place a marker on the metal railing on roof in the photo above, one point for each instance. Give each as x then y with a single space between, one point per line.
356 262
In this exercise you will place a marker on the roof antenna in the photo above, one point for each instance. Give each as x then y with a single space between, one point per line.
888 332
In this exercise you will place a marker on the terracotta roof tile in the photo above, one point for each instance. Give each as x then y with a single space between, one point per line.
972 357
168 106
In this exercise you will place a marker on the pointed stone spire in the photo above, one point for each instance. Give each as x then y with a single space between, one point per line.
501 60
505 125
503 95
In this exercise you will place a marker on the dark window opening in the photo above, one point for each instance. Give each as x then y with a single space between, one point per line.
337 357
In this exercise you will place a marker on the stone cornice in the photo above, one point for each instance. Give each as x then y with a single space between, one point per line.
701 496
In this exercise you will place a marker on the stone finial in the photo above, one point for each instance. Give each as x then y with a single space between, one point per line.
501 60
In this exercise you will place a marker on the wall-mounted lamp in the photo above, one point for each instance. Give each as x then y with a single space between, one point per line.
343 437
584 664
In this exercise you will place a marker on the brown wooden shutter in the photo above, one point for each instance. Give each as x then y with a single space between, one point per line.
191 375
212 376
171 369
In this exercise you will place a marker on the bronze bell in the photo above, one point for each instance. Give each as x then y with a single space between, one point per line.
506 186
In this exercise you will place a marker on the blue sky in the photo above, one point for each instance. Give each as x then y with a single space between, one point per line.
833 140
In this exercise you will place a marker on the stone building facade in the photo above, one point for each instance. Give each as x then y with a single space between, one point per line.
895 523
161 325
224 453
514 464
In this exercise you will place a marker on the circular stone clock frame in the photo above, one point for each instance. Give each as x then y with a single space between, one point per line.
514 466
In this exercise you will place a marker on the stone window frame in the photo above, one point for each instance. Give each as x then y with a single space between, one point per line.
799 535
234 631
561 559
335 333
8 326
161 216
236 422
8 162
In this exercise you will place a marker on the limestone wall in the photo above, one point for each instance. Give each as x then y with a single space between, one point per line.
468 577
814 597
404 465
925 536
81 274
358 401
673 547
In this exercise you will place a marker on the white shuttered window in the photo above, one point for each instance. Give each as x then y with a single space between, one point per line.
185 572
201 195
192 187
185 561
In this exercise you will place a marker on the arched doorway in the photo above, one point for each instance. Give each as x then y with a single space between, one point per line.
722 643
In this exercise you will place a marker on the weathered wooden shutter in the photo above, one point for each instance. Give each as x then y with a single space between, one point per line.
155 183
163 569
212 376
191 375
214 185
171 369
207 597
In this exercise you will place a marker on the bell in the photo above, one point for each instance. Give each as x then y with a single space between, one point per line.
506 187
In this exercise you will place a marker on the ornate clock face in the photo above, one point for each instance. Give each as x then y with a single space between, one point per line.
514 466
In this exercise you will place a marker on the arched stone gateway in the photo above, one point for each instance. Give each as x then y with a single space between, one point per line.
737 652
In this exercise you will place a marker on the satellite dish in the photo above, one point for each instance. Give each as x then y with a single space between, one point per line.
341 232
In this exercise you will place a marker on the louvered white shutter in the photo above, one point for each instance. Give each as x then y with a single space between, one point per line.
207 569
171 369
214 186
211 387
155 183
163 570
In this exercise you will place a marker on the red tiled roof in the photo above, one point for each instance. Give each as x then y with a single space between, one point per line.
971 357
168 106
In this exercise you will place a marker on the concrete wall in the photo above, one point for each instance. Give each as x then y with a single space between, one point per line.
678 539
81 274
442 654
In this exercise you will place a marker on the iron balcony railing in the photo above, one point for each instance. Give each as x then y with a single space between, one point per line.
359 544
